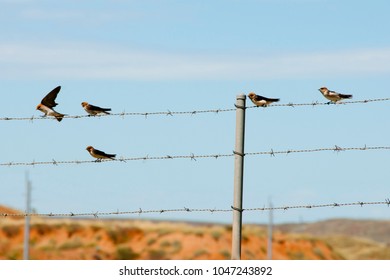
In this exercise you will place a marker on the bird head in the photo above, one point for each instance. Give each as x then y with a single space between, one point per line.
39 107
251 95
323 89
84 104
89 148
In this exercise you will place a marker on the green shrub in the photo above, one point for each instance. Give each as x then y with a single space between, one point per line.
72 244
216 235
11 230
126 253
157 255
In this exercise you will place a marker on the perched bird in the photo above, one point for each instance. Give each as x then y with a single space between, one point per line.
259 100
48 103
99 155
332 95
94 110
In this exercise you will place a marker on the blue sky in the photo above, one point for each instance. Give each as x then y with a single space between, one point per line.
148 56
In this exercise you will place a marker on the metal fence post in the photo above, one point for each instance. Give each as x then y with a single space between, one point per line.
238 177
26 245
270 229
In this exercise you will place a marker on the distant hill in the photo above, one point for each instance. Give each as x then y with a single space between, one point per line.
375 230
352 239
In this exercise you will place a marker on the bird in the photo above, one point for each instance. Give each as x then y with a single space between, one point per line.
94 110
99 155
48 103
333 96
259 100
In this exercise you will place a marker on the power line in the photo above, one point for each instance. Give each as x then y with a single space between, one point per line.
140 211
195 157
193 112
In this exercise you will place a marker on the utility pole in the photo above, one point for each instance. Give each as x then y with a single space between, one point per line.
27 219
238 177
270 229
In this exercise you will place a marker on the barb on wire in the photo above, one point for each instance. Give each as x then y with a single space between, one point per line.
193 157
98 214
192 112
337 148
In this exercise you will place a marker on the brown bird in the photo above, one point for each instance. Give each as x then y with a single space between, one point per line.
48 103
259 100
99 155
332 95
94 110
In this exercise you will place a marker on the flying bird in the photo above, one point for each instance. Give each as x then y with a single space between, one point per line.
48 103
259 100
94 110
99 155
332 95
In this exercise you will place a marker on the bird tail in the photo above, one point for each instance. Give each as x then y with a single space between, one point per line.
111 156
346 96
59 117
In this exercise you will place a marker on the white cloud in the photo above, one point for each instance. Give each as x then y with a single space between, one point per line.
87 61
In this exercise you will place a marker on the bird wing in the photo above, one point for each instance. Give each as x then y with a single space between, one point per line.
103 154
96 108
334 93
346 95
259 98
49 99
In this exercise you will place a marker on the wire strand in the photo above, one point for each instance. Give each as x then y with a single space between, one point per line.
193 112
140 211
194 157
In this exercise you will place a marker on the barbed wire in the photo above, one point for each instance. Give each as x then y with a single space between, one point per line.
193 112
140 211
195 157
316 103
123 114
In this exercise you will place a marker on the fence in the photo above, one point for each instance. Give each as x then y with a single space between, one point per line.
238 153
